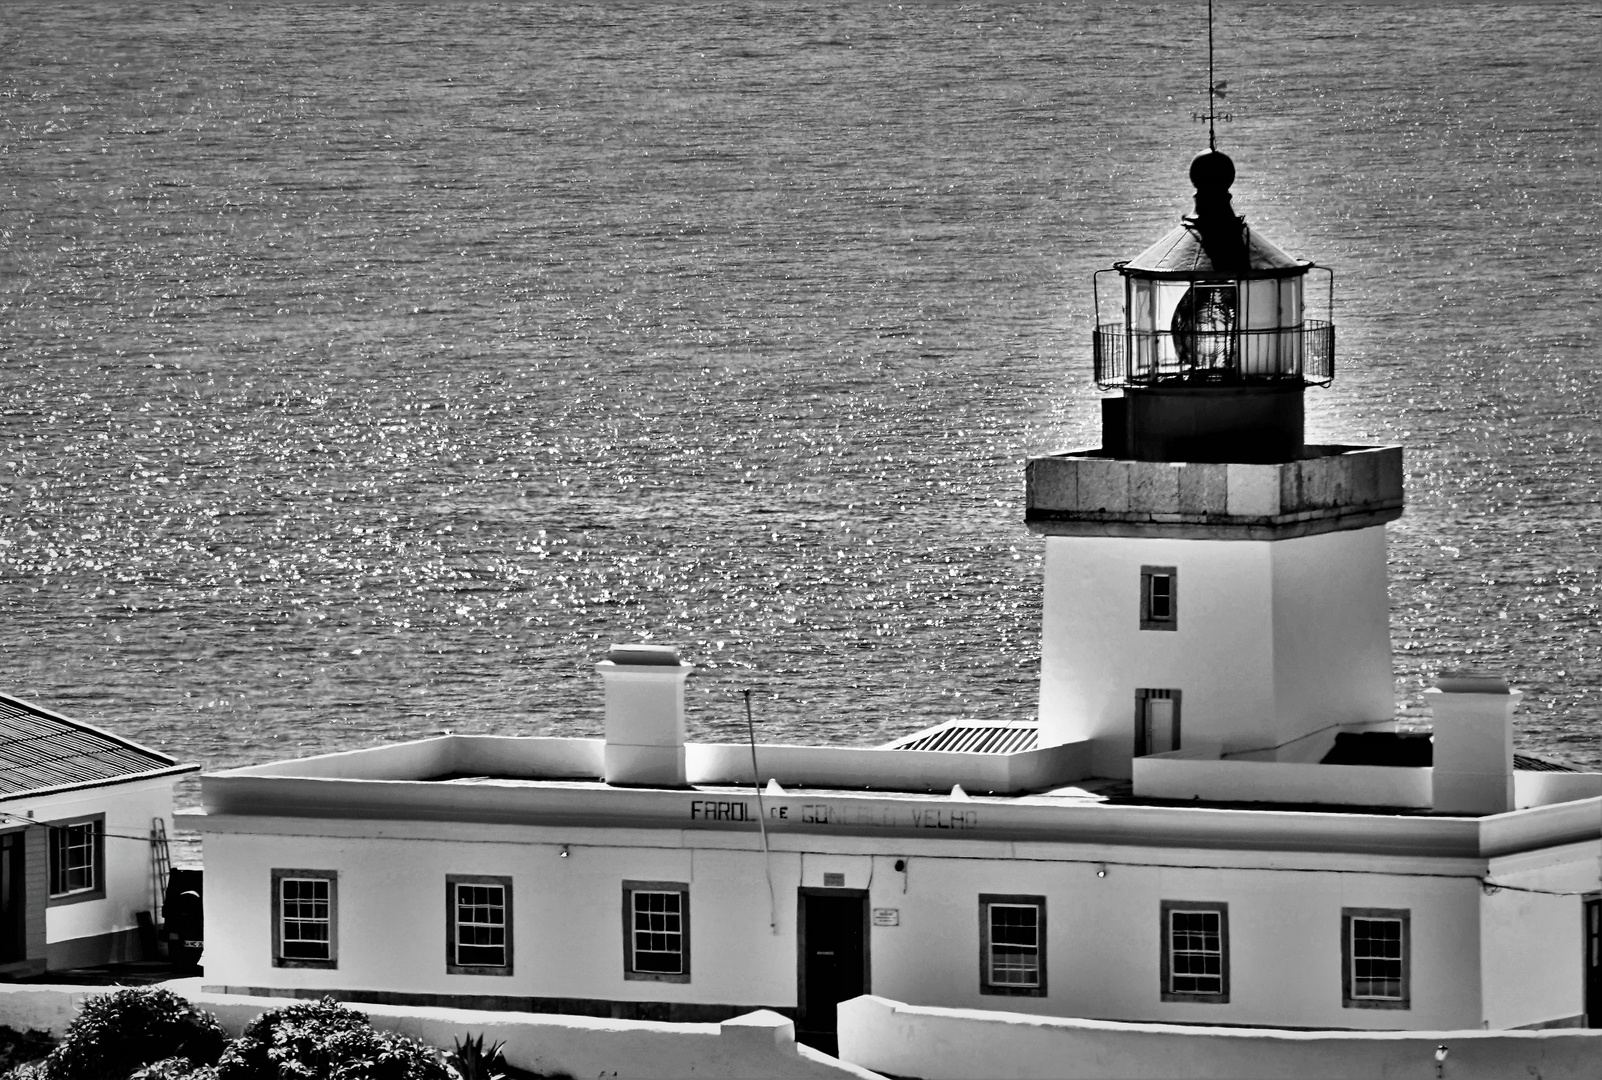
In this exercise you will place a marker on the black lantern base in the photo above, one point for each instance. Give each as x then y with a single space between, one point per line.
1242 424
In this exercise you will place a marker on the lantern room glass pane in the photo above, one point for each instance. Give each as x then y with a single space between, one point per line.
1204 327
1212 330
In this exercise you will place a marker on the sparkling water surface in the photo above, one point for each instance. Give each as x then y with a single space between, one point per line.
367 368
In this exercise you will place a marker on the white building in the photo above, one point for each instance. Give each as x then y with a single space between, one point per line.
1215 820
82 815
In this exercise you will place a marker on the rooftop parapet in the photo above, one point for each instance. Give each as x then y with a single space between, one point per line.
1330 488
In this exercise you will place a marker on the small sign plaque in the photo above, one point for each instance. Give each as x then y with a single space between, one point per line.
886 916
834 881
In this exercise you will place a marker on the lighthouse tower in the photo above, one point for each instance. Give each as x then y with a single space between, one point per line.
1213 584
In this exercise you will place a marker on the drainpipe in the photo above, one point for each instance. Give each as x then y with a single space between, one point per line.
644 715
1473 766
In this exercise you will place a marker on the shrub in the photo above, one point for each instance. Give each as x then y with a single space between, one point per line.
175 1068
117 1034
33 1071
472 1062
19 1047
324 1040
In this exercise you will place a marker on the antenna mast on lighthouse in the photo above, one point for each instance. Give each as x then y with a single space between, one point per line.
1212 87
1215 89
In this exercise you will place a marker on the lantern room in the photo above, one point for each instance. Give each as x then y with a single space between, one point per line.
1209 339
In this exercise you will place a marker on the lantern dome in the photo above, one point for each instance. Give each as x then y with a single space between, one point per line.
1183 253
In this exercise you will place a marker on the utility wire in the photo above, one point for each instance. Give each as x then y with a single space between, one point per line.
20 819
762 818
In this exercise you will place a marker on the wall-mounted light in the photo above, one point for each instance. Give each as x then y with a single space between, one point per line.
1101 871
563 853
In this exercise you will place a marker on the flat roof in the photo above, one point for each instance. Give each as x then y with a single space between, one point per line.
494 780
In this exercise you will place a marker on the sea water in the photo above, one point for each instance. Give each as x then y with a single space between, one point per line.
368 368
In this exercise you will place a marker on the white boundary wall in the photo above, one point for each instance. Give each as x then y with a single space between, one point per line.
758 1045
937 1044
1183 774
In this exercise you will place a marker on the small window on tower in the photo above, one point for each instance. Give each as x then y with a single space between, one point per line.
1159 598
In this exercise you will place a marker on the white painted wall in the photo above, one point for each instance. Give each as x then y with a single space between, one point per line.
1532 938
1544 788
888 770
567 912
1332 631
1275 640
129 870
1103 943
1105 938
1531 968
948 1044
1178 776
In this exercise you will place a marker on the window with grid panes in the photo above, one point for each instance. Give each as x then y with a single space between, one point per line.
75 856
1195 958
480 913
656 931
1375 953
304 914
1012 945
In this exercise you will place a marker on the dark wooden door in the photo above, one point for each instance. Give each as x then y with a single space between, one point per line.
833 961
1593 963
12 899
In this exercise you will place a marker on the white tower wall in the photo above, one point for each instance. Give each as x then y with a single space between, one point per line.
1332 632
1274 640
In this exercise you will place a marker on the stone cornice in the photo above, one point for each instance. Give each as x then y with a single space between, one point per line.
1330 489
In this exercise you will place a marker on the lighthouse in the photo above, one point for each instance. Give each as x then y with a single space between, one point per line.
1214 585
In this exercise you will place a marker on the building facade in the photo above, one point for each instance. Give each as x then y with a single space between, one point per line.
1214 821
82 815
447 872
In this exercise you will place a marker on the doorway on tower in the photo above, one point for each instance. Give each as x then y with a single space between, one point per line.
1156 721
832 939
1593 961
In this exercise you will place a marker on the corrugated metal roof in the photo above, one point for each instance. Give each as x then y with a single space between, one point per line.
960 737
1528 763
969 737
40 749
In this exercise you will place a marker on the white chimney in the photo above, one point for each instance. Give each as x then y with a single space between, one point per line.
1473 740
644 715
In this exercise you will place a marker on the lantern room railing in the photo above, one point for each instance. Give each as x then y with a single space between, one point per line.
1125 357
